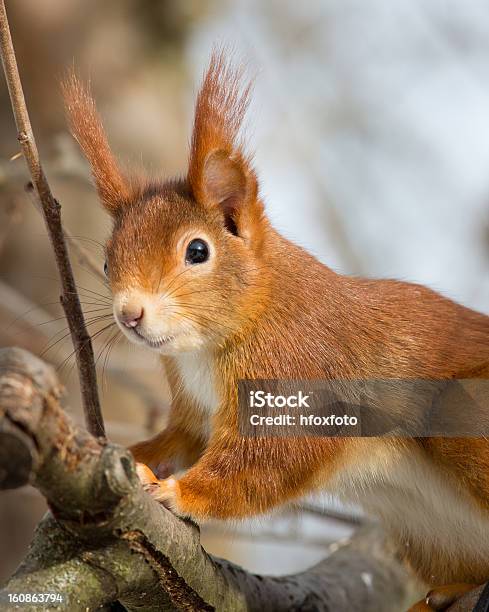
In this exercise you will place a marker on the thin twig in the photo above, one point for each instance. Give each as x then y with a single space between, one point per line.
342 516
52 216
85 258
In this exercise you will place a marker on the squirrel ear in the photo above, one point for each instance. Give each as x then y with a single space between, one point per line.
113 187
229 182
220 173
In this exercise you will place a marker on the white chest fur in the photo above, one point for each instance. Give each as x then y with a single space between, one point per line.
405 490
197 374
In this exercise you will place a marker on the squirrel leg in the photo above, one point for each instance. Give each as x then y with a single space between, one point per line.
232 482
170 450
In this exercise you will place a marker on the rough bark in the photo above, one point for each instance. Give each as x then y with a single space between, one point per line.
106 540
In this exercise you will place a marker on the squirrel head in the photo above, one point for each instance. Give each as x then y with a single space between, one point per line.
184 258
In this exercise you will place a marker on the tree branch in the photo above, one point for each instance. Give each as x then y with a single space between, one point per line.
105 539
85 258
52 216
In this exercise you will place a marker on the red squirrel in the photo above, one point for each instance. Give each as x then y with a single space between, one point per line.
199 275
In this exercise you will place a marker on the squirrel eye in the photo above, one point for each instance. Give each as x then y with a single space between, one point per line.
106 268
197 251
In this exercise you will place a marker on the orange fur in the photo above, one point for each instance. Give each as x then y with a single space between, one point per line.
113 188
262 307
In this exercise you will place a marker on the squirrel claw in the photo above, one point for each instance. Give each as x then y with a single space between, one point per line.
150 487
163 491
145 474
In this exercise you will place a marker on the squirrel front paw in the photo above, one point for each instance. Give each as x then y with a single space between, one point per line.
166 491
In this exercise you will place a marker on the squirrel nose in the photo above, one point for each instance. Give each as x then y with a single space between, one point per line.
131 315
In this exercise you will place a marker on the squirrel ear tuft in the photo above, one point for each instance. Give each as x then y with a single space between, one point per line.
85 124
220 173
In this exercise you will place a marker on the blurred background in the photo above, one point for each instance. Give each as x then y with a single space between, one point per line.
370 123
